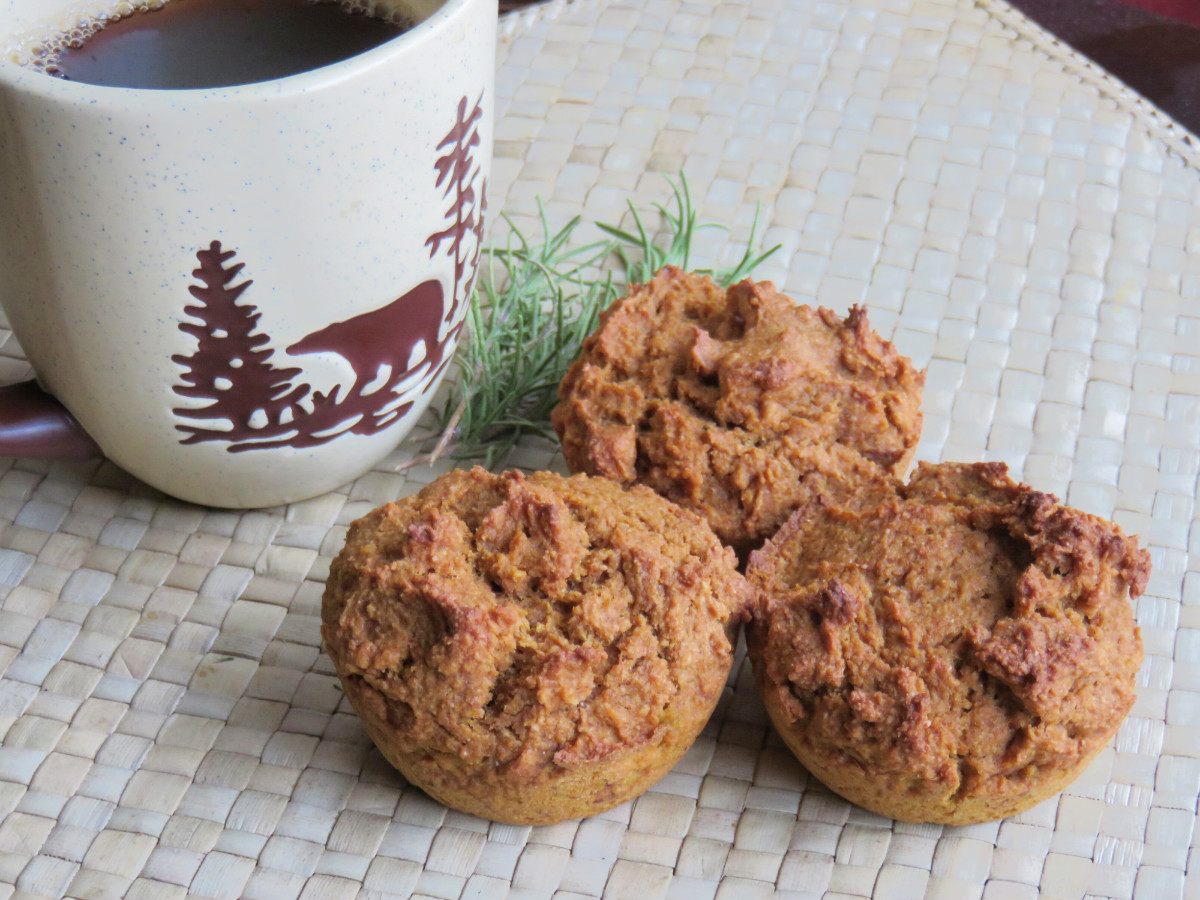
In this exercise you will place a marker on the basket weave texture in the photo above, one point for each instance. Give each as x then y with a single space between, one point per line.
1014 220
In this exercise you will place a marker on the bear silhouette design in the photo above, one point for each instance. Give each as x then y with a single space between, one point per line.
388 336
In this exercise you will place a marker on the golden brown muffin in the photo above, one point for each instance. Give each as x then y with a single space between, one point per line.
737 404
955 654
532 648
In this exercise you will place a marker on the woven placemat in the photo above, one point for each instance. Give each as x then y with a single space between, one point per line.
1015 221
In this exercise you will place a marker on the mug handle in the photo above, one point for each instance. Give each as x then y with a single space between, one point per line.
35 425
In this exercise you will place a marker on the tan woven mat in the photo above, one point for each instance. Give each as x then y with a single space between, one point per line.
1016 222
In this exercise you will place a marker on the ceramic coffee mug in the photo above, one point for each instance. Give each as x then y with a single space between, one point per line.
245 295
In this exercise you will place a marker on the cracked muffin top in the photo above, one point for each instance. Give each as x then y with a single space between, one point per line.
737 404
523 626
955 653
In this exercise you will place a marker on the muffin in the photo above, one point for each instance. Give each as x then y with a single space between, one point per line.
955 653
737 404
532 648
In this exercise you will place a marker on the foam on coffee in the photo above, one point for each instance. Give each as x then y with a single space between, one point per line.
34 47
59 54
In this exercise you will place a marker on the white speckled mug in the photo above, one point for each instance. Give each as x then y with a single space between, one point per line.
246 295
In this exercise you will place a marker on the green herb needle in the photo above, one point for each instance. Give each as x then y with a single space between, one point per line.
533 305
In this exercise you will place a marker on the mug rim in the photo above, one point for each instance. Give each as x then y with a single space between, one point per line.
29 79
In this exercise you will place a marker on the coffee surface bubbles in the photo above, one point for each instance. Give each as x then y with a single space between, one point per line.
184 44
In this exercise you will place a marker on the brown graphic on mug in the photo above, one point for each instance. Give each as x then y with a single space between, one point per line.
394 351
456 172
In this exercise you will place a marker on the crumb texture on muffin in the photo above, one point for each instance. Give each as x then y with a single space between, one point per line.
955 653
532 648
736 403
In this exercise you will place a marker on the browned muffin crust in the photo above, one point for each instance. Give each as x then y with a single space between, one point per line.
737 404
532 648
955 654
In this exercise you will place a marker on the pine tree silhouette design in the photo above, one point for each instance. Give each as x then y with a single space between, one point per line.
230 368
393 351
457 172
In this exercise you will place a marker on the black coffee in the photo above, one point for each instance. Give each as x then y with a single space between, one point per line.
218 43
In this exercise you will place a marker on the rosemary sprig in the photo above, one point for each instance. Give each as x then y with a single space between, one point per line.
682 228
531 310
534 304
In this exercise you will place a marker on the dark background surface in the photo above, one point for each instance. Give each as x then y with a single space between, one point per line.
1156 56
